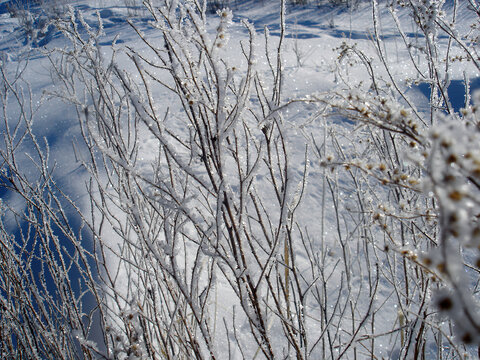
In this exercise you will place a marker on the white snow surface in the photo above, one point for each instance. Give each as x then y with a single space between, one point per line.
314 35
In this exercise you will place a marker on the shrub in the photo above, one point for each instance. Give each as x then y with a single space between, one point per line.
204 243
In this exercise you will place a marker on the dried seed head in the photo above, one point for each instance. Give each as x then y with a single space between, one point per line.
427 261
476 232
467 338
445 144
452 158
456 195
448 178
441 267
445 303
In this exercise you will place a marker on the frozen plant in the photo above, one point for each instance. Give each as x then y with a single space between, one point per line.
414 173
47 276
204 243
195 202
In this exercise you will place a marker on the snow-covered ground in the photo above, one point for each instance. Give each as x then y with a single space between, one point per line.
363 295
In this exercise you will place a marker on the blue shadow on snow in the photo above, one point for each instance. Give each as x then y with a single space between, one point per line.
456 92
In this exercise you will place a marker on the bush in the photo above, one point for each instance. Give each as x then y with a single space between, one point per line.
35 18
204 244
